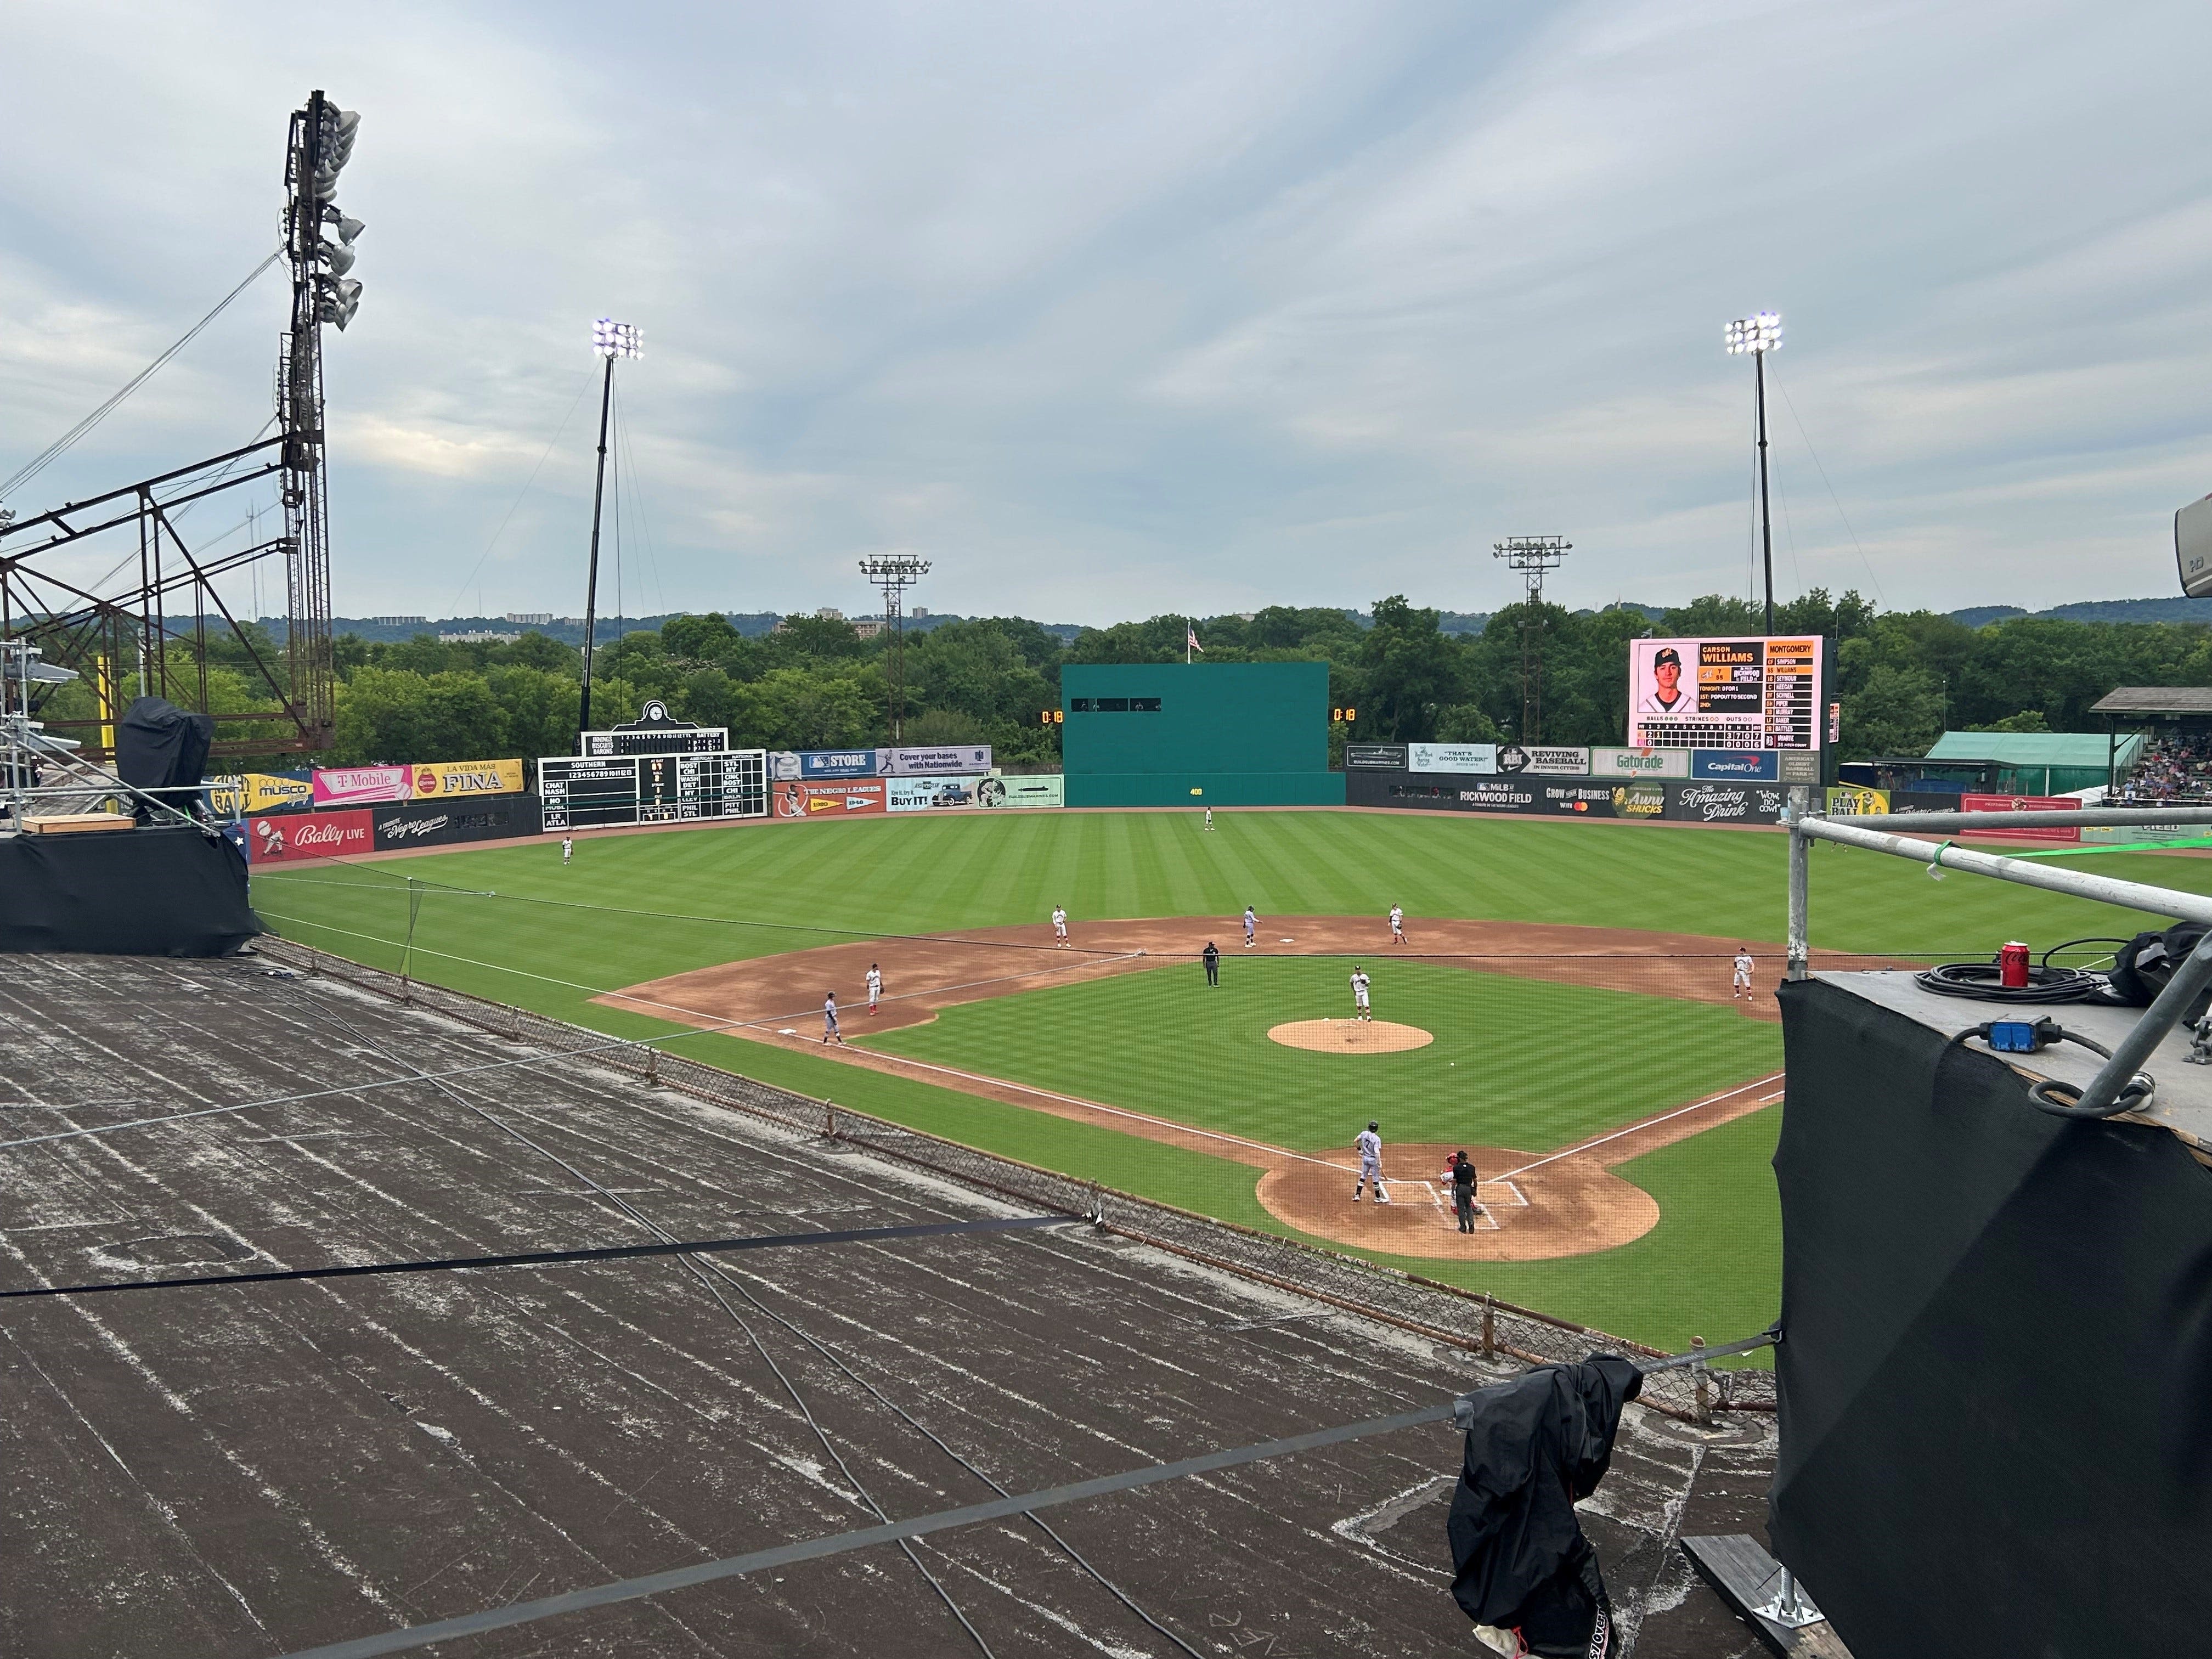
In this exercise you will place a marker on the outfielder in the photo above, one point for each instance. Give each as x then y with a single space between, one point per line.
567 848
1209 818
1397 926
875 986
1370 1144
1359 1008
1251 925
1059 927
1742 983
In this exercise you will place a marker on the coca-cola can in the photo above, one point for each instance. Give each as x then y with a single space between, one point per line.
2012 966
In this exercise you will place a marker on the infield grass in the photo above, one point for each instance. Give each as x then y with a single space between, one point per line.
510 923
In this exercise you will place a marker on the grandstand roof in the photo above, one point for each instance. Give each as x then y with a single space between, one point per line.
263 1468
2155 700
2052 749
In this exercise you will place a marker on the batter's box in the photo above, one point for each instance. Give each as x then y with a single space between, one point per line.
1441 1206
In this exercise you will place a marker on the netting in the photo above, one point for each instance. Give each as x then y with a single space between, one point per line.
1470 995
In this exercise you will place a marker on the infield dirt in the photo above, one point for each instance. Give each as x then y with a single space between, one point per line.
1561 1204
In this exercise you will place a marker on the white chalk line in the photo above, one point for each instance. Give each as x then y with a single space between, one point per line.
1665 1117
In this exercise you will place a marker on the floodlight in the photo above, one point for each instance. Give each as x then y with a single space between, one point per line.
338 257
348 229
1760 333
611 339
341 299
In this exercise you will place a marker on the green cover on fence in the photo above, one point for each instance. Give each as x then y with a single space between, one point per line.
1158 734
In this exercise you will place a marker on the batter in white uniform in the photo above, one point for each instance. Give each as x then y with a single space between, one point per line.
1370 1144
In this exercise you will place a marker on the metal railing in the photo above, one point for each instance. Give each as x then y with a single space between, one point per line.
1447 1314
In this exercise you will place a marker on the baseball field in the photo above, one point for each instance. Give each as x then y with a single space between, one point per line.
1561 1008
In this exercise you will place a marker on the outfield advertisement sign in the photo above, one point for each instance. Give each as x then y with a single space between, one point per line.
2025 804
441 823
288 838
1380 758
839 762
1851 800
1723 802
1537 762
259 791
1676 801
1734 765
1442 756
969 760
1639 763
860 798
443 779
932 794
359 786
1050 790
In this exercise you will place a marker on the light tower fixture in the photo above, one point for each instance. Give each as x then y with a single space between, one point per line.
1534 556
611 340
895 573
1758 336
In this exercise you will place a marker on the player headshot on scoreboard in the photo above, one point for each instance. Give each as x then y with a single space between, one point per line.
1666 696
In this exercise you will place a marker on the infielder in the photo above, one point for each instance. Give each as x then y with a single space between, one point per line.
1742 984
875 986
1251 925
567 848
830 1032
1397 926
1359 1008
1059 927
1371 1163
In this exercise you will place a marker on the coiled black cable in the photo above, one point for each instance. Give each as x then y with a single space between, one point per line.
1982 980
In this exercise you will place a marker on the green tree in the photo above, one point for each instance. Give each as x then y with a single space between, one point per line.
1897 711
1410 672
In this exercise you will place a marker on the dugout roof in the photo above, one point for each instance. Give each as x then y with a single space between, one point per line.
2156 700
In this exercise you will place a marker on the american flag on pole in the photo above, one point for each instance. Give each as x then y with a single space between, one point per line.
1190 637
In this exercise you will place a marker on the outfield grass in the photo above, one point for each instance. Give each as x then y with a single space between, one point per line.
1517 1063
509 922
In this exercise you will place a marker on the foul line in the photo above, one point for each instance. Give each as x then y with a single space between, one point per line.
630 1590
544 1258
1647 1124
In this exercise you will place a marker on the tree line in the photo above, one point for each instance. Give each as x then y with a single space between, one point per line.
1903 677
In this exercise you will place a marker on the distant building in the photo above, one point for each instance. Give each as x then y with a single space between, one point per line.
830 613
868 627
919 612
531 618
479 636
401 622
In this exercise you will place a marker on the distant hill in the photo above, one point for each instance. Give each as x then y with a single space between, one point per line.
2096 610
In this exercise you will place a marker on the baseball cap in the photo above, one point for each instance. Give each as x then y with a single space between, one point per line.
1667 653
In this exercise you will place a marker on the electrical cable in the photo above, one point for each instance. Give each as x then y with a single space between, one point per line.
2046 1094
1982 980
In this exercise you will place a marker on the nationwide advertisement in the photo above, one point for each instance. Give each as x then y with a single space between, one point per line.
1048 790
1734 765
927 794
1723 802
1536 761
839 762
258 791
926 762
440 824
2025 804
1758 693
1379 757
286 838
1851 800
443 779
860 798
359 786
1639 763
1445 756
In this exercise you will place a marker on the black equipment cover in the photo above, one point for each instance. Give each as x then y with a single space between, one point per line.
165 892
2145 964
158 747
1537 1446
1996 1392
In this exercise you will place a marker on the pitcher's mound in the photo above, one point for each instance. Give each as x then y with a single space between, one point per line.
1350 1036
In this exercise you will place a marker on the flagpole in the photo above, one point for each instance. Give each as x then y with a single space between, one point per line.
1189 629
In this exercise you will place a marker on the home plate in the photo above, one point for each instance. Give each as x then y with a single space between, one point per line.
787 1032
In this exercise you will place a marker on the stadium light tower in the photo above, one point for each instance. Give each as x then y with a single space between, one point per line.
895 573
1758 336
610 339
1533 556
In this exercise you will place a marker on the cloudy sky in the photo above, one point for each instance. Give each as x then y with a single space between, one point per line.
1113 310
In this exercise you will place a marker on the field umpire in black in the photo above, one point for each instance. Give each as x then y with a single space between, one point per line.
1463 1179
1211 956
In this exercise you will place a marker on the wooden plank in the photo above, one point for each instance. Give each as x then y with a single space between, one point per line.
1742 1573
70 824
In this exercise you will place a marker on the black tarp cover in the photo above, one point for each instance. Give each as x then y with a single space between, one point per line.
1537 1445
158 747
167 892
1997 1377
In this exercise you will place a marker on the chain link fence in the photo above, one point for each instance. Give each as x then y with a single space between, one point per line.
1442 1313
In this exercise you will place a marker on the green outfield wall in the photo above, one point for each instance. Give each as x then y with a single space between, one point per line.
1197 734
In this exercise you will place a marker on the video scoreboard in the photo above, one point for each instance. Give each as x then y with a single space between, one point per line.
1743 694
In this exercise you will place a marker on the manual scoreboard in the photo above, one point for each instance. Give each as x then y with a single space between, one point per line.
654 770
1765 692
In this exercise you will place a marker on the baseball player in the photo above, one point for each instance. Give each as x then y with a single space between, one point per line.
1209 818
1397 925
567 848
875 986
830 1032
1371 1163
1059 927
1359 1008
1742 983
1251 925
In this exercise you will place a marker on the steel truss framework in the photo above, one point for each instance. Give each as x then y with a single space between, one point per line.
153 635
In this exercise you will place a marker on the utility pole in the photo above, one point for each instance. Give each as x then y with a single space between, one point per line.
1532 556
611 340
1758 336
895 573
